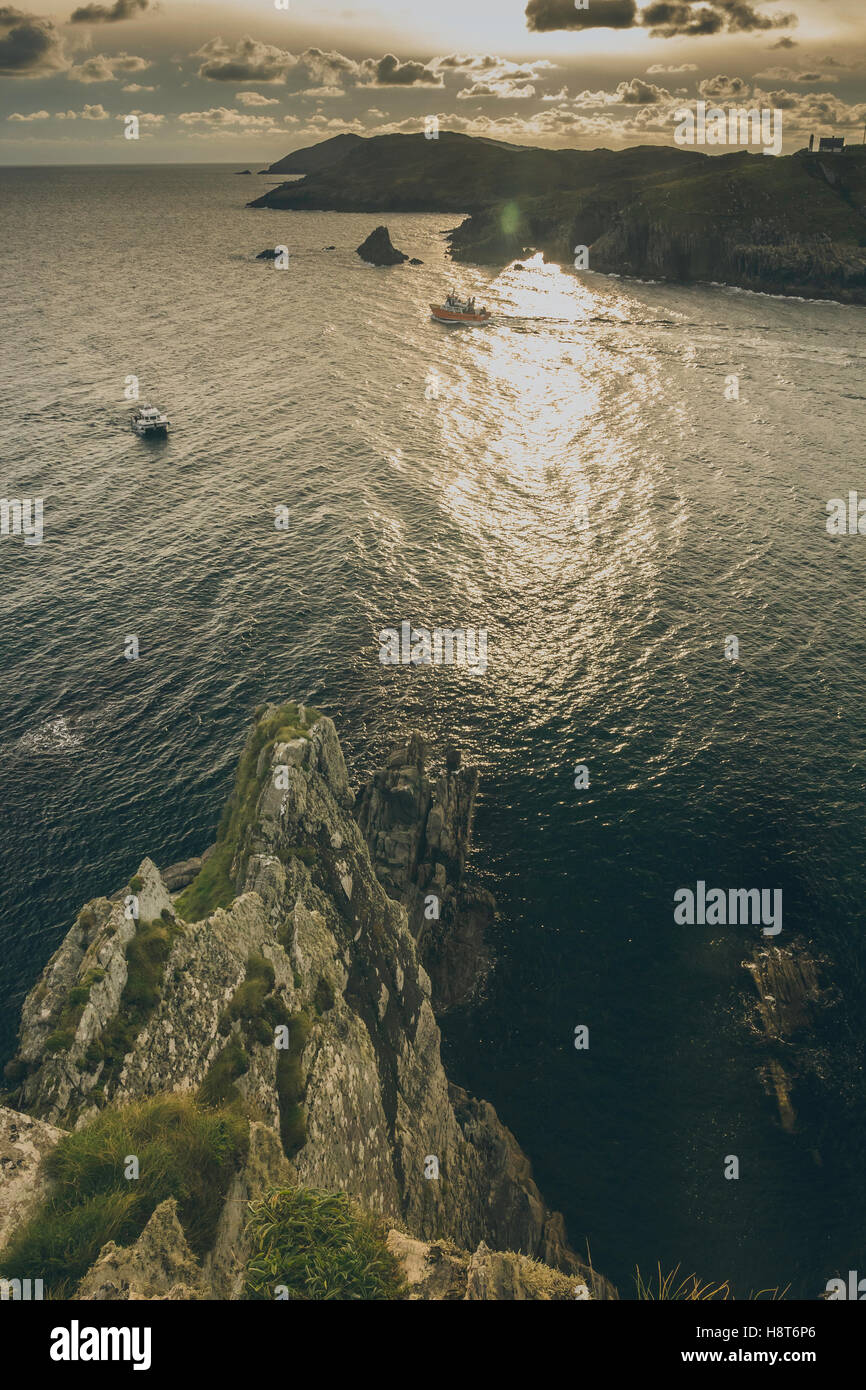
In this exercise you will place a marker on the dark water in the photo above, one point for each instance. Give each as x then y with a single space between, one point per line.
438 477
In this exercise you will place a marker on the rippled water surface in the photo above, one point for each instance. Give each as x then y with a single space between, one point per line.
441 477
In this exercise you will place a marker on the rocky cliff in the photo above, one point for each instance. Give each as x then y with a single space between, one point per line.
418 830
285 980
793 224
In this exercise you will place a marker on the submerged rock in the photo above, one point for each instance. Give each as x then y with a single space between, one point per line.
790 999
377 249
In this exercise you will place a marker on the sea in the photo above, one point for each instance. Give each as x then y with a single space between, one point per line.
626 486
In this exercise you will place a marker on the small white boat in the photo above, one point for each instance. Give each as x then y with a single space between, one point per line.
147 419
456 310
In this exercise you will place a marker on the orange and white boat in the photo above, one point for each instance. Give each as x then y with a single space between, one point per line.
456 310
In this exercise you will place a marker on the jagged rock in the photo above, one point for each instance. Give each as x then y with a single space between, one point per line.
159 1265
377 249
270 253
413 260
24 1145
180 875
437 1271
418 833
266 1167
91 958
790 994
376 1103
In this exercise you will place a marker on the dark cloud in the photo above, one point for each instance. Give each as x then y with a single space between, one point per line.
665 19
108 14
248 60
29 45
544 15
245 61
460 61
390 72
669 19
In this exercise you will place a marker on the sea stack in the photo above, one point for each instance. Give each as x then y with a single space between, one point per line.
377 249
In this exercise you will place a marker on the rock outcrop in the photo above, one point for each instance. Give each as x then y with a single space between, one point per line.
302 995
24 1145
377 249
438 1272
790 997
159 1265
418 832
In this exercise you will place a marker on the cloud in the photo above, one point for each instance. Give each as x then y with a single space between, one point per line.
390 72
137 87
721 88
227 118
674 18
658 68
29 45
108 14
32 116
495 77
785 42
321 92
247 60
145 117
807 111
503 89
633 93
255 99
328 69
88 113
103 67
664 18
542 16
638 93
786 75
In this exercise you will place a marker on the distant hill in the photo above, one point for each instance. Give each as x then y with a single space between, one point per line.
315 157
456 173
788 225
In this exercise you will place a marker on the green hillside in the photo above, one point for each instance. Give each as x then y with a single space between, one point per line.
793 225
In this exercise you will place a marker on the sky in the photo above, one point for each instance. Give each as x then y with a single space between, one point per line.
247 81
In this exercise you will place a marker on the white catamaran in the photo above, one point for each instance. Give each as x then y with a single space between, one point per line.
147 419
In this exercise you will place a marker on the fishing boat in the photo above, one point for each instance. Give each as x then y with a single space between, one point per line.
148 420
456 310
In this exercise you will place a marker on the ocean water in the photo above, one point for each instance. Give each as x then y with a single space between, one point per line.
571 478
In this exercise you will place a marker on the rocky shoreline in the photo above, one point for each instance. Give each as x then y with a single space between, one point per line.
793 225
309 921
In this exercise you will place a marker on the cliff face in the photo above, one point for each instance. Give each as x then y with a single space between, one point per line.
786 226
418 831
306 941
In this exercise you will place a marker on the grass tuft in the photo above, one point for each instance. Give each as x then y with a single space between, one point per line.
318 1245
183 1152
214 885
